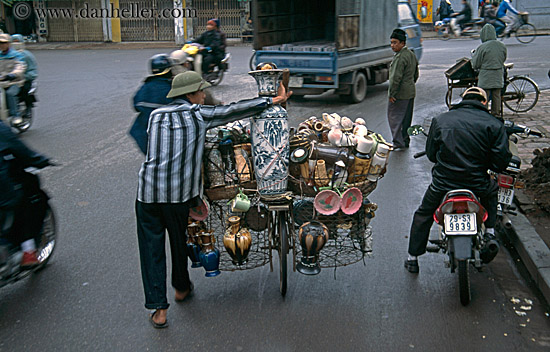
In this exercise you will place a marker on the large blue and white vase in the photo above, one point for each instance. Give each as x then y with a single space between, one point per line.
270 138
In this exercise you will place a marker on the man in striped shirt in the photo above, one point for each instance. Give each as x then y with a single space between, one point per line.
170 182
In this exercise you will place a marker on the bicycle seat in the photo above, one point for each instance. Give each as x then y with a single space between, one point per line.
509 66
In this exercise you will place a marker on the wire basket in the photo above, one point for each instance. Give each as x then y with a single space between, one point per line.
260 250
350 236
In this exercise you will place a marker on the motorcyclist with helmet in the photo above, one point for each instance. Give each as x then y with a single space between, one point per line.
214 45
150 96
463 143
15 226
12 71
180 61
31 72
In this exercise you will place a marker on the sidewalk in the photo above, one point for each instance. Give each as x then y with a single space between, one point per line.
530 234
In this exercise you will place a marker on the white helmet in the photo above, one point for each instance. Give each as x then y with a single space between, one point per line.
178 57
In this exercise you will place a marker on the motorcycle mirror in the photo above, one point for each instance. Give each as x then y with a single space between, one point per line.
415 130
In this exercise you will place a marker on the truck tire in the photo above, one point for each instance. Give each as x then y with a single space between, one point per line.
358 89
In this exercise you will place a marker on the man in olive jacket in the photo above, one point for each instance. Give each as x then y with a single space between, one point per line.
489 59
403 76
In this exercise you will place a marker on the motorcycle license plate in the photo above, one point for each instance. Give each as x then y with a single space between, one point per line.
295 82
505 195
460 224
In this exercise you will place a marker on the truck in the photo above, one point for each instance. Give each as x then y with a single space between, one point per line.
327 44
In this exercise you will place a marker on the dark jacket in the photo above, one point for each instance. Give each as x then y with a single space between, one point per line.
464 143
10 145
465 15
213 40
150 96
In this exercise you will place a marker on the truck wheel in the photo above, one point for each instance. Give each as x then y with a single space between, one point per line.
358 89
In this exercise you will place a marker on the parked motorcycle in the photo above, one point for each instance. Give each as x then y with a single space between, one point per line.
194 59
507 180
37 210
460 217
25 113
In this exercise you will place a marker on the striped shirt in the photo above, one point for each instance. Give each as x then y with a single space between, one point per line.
171 172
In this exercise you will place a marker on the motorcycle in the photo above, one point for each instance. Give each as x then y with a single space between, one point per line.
508 179
194 61
460 217
25 113
36 209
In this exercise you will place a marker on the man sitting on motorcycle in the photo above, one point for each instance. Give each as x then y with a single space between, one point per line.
214 45
464 143
461 18
30 73
15 226
12 71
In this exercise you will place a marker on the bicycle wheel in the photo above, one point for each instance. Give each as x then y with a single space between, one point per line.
526 33
453 98
521 94
282 229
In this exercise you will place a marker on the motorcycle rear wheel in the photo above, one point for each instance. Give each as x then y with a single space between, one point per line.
464 282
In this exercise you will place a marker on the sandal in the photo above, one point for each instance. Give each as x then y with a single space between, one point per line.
155 324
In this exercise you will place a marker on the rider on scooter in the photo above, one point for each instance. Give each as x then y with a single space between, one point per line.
464 143
214 45
12 204
12 71
461 18
30 73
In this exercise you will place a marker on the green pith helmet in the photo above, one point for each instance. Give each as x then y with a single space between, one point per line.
187 82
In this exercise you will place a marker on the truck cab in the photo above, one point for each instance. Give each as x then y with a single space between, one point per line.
408 22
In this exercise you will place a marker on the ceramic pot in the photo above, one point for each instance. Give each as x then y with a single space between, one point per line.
267 80
312 236
209 256
237 241
193 247
270 138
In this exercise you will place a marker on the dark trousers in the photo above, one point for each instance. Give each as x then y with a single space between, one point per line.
423 217
153 219
208 60
400 118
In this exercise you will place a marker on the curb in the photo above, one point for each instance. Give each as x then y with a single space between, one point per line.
532 250
115 46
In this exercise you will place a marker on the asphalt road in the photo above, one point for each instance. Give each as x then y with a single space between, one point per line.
90 297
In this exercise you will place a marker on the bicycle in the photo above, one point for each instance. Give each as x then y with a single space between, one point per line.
520 93
524 31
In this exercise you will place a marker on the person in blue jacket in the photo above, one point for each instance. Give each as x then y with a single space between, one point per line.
150 96
31 72
504 16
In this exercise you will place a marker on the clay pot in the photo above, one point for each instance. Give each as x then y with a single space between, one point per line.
313 236
209 256
193 247
237 241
